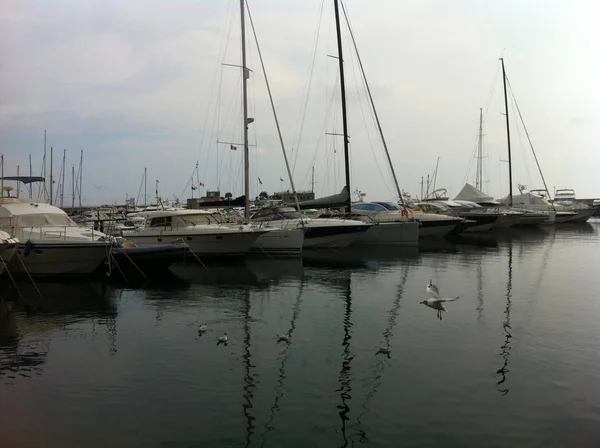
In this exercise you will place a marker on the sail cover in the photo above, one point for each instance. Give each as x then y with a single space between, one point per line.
336 200
470 193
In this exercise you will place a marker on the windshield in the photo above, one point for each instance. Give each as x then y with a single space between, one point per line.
389 205
47 219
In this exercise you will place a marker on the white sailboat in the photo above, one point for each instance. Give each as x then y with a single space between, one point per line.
272 240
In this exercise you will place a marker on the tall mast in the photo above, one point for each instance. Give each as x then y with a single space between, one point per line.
80 177
62 182
479 178
343 97
44 170
51 180
510 187
30 175
245 75
73 188
312 183
145 188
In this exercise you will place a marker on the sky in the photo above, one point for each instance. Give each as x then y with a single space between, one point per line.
141 85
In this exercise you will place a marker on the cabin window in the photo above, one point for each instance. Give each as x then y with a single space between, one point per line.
162 221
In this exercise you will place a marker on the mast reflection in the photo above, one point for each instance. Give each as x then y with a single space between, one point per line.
506 347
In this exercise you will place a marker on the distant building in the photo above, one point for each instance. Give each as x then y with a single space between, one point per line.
194 203
288 196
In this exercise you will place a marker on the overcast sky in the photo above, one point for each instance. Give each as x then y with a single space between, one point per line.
140 83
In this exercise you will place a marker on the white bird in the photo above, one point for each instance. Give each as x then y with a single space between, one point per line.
202 328
437 302
433 290
283 337
386 350
222 339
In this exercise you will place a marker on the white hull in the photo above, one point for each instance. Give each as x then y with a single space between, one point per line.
399 232
201 244
324 233
279 242
58 259
580 216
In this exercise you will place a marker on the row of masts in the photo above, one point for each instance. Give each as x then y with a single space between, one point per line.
55 196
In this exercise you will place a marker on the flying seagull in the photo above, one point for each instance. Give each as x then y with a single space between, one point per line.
222 339
437 302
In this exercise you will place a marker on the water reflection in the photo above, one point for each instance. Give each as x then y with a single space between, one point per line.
506 347
345 375
281 371
381 365
41 309
248 375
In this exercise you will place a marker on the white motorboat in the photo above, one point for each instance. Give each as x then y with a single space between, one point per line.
277 241
385 213
8 248
50 243
565 203
203 231
318 232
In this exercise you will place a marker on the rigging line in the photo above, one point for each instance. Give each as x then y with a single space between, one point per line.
528 138
362 112
322 134
287 165
306 91
520 140
374 110
219 70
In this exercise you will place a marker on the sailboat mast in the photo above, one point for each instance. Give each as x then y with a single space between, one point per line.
51 180
73 188
479 179
62 182
30 175
510 188
80 177
343 97
245 76
145 188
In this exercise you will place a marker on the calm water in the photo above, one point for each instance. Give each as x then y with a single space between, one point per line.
515 362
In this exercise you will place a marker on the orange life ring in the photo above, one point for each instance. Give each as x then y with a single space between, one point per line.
404 212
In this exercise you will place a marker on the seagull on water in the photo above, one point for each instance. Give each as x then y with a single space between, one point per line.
222 339
202 328
384 349
437 302
283 337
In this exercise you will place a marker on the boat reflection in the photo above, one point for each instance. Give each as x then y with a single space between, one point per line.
41 309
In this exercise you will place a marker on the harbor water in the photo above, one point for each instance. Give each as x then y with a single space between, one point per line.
514 362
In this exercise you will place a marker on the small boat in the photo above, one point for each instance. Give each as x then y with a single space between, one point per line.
131 259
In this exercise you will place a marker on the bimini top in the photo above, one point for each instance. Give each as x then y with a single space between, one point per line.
25 179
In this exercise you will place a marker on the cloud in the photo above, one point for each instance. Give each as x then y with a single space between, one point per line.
140 84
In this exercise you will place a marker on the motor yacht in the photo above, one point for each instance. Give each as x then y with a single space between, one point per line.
431 225
50 243
318 232
204 232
